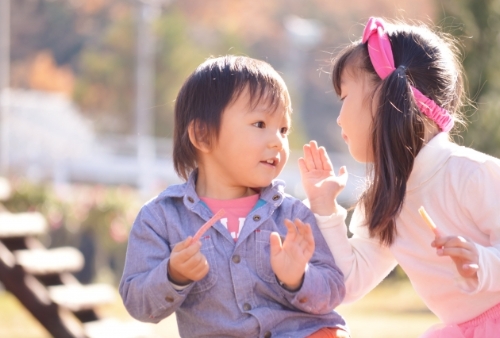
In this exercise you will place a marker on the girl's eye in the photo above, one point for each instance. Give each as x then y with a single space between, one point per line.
259 124
343 98
284 130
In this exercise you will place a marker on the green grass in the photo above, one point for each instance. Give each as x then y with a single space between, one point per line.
392 310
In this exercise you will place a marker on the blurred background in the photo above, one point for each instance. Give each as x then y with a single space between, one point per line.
87 91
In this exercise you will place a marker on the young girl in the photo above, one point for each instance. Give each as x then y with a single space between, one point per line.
232 119
401 87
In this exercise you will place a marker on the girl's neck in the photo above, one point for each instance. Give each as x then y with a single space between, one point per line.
431 130
208 187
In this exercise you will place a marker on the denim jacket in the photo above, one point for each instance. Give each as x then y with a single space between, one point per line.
240 296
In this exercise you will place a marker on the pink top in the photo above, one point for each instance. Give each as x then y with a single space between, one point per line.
236 211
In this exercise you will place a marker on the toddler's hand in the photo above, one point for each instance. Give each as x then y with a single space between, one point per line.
187 263
320 183
289 260
462 251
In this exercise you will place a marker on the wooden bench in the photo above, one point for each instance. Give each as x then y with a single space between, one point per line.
43 282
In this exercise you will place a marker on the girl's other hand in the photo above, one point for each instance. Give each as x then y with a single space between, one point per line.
320 183
289 259
187 263
462 251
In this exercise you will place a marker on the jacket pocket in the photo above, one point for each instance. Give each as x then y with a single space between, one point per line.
263 255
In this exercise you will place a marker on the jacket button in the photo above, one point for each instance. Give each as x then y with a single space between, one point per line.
236 259
190 199
268 334
169 299
276 197
247 307
256 218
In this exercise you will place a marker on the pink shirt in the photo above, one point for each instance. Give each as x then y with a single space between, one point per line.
236 211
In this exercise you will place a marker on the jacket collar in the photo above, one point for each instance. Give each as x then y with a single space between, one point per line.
187 191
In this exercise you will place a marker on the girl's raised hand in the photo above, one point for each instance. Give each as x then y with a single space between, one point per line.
462 251
320 183
187 263
289 259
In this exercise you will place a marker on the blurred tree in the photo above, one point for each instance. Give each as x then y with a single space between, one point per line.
477 25
105 85
95 40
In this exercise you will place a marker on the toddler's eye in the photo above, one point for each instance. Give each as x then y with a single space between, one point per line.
260 124
284 130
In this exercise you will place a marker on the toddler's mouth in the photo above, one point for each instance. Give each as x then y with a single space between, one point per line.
271 161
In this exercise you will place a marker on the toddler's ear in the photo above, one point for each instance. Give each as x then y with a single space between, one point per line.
199 136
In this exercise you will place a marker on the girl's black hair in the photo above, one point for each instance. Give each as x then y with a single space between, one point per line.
209 90
427 62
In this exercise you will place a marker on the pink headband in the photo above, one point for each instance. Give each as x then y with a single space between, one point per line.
380 51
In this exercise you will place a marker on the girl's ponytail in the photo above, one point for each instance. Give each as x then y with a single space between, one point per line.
397 136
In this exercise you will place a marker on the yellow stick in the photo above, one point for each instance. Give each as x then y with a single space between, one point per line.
428 220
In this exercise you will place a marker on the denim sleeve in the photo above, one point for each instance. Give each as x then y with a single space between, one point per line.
323 287
145 289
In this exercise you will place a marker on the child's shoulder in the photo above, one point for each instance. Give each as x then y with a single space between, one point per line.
172 191
472 165
471 157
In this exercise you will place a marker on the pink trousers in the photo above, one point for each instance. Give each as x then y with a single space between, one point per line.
486 325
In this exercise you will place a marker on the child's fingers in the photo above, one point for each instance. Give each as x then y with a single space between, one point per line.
184 250
291 229
451 241
462 253
275 243
308 162
196 267
326 164
342 176
200 268
303 166
457 247
305 231
316 157
472 267
183 245
303 236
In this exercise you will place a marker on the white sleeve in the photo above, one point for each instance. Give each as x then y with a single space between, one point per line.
480 201
363 260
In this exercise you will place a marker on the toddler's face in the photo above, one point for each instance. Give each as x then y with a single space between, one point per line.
356 114
252 147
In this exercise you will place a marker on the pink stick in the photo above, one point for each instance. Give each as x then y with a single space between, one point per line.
207 225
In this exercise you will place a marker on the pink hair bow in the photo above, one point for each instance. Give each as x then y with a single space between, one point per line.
380 52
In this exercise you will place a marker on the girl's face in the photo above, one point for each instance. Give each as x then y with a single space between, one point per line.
356 115
251 150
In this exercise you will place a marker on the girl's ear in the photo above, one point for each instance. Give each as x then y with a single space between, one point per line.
199 137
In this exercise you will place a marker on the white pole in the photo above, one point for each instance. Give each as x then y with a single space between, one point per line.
146 152
4 84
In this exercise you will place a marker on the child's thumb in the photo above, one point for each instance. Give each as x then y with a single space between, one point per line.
343 175
275 242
